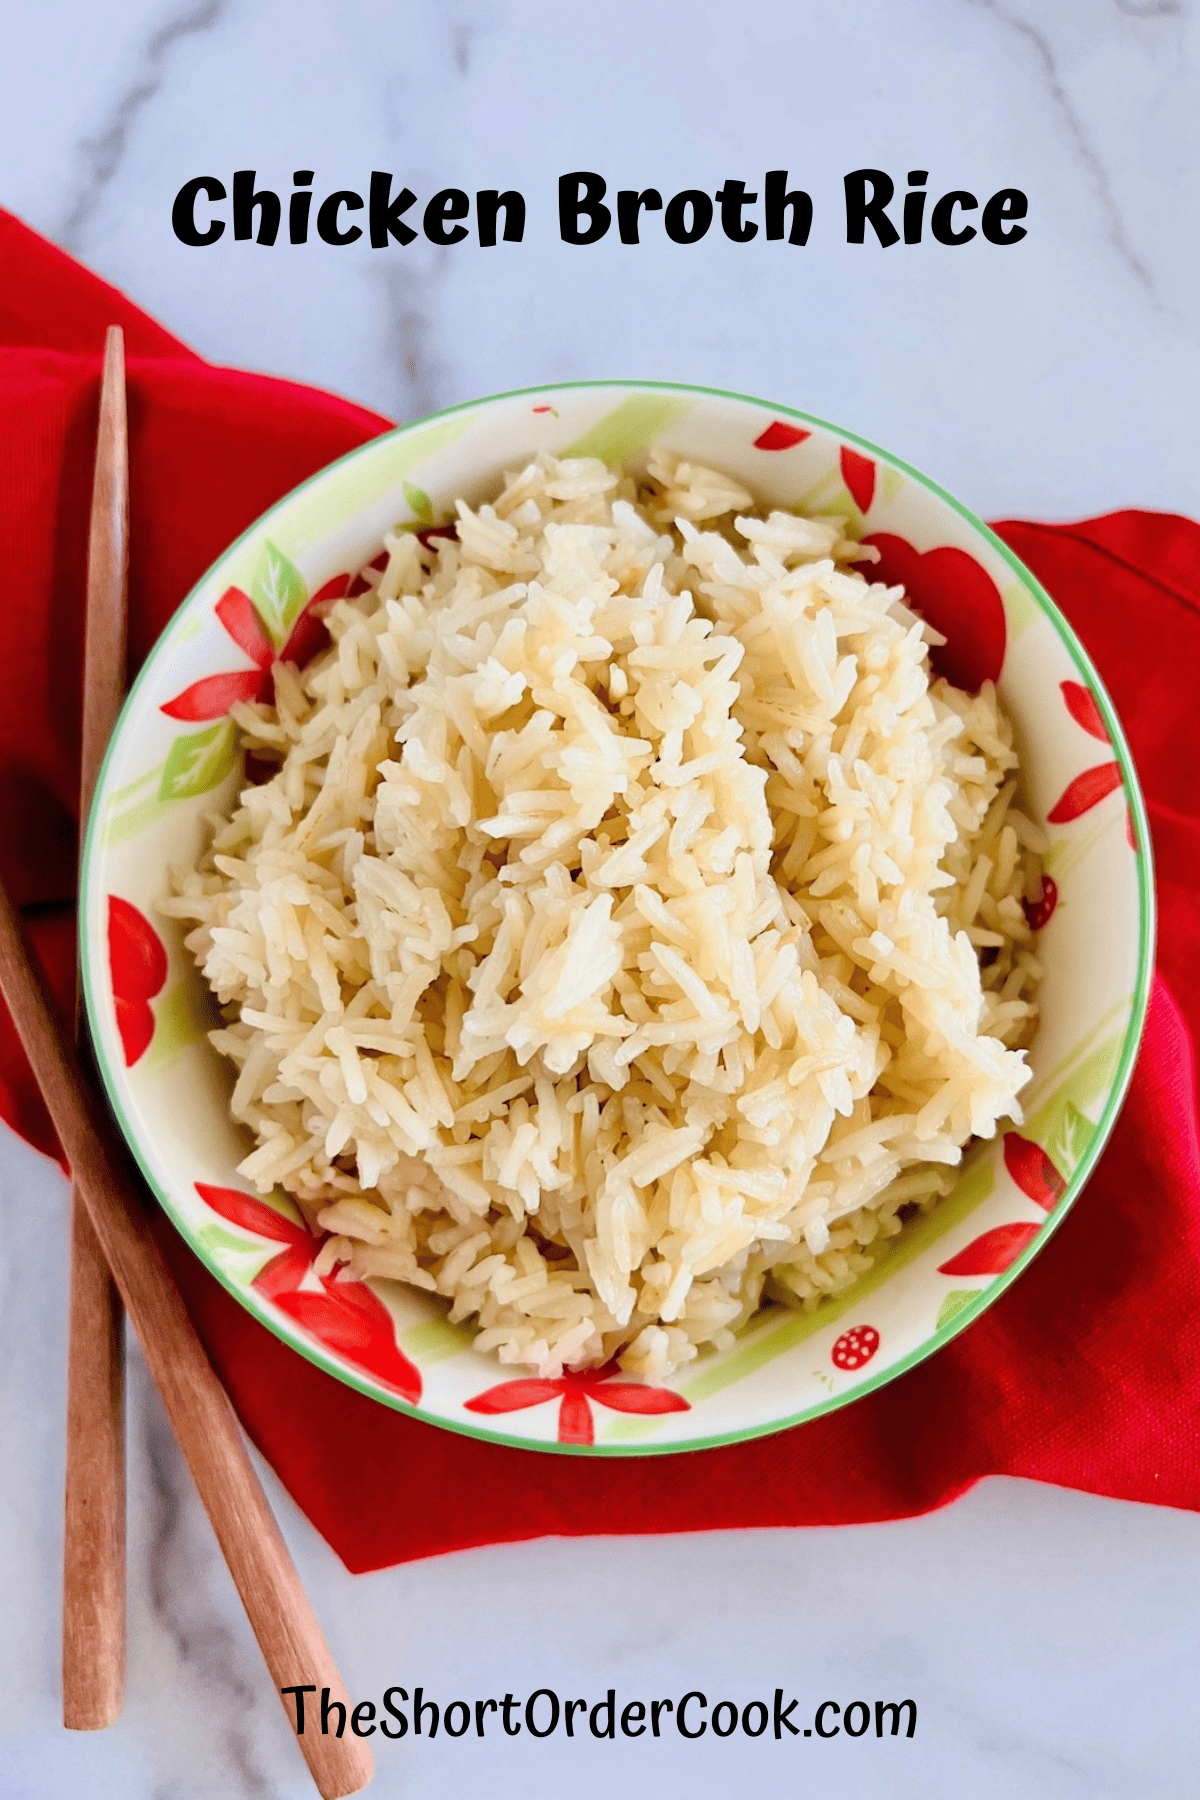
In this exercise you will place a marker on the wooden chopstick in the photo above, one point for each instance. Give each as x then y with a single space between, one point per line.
109 1228
278 1608
93 1648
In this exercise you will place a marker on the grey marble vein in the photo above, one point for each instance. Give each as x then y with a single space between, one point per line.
468 25
1021 1748
1152 9
1097 173
461 36
103 152
410 297
411 285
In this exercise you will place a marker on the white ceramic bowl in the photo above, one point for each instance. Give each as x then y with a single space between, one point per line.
173 758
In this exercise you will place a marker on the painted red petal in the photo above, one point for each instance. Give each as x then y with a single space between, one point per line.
512 1396
358 586
135 1022
213 697
356 1296
1040 912
1087 790
354 1323
236 613
137 961
631 1397
335 589
310 635
252 1214
1081 704
991 1253
1032 1170
575 1418
779 436
543 409
284 1273
858 473
958 597
1130 829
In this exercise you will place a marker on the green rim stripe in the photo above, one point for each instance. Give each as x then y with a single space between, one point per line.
95 997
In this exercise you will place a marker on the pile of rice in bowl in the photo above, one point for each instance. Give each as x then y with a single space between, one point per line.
631 930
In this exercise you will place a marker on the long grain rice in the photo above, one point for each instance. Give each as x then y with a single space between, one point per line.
631 929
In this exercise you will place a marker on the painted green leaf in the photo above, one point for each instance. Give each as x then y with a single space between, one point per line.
953 1304
198 761
817 498
1087 1082
278 592
238 1257
842 506
419 501
435 1339
629 428
1067 852
283 1204
133 790
1021 610
124 825
890 481
182 1016
1070 1140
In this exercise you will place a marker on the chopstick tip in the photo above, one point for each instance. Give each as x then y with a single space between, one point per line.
114 353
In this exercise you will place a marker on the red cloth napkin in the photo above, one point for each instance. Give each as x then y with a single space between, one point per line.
1086 1372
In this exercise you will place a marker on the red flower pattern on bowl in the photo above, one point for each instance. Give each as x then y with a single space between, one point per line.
781 436
576 1389
347 1317
858 473
213 695
1094 784
996 1250
137 969
1033 1171
956 595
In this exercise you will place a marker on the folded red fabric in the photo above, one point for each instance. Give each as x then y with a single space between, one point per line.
1080 1374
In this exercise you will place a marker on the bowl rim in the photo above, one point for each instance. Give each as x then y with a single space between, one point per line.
314 1353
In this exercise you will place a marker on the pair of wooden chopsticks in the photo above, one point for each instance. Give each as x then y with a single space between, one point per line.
115 1259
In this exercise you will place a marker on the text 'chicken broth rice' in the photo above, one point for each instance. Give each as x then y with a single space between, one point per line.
631 928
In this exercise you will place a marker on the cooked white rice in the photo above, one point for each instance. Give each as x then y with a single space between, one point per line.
632 928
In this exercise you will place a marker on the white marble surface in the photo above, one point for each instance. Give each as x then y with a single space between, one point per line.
1049 1639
